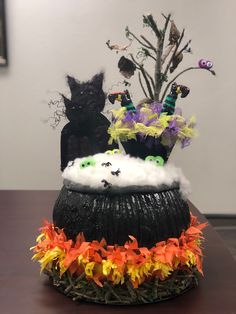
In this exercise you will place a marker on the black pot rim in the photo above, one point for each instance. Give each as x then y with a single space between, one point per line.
132 189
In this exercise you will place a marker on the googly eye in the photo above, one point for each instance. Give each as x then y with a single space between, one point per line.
150 158
109 152
87 162
202 63
159 161
91 162
209 64
116 151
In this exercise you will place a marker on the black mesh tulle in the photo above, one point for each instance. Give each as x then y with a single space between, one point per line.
149 217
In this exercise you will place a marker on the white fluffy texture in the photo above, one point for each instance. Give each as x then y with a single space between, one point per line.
133 172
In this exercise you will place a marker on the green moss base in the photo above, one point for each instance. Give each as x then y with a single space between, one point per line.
155 290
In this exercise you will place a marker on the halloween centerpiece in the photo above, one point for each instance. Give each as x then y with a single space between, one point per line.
122 231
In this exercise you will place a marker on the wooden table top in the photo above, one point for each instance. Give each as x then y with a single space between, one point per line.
24 291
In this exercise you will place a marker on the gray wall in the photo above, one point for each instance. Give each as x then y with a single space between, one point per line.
48 39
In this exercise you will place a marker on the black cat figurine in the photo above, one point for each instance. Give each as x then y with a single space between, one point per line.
86 132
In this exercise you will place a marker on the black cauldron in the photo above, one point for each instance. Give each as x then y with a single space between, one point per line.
150 215
148 146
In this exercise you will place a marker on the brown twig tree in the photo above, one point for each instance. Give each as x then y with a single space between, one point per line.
165 60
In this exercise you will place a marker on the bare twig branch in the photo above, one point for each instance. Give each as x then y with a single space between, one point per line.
158 65
145 76
149 43
151 56
184 47
174 52
163 57
151 79
147 83
166 23
141 84
166 53
139 66
188 69
136 62
164 16
136 38
158 68
147 53
149 20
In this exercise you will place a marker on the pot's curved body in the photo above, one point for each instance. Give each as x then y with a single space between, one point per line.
148 216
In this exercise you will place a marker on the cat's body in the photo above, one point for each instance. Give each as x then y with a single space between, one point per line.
86 132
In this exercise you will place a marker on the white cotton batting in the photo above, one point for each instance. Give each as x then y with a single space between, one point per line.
130 172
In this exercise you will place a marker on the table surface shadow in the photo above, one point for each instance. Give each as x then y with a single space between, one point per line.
23 290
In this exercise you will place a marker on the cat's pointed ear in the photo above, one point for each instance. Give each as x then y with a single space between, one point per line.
67 102
73 83
97 80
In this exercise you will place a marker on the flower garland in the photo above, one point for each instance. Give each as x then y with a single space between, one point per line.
149 120
116 264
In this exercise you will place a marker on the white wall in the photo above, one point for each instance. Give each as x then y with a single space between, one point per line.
48 39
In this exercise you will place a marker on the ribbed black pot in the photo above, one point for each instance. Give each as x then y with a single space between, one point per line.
149 217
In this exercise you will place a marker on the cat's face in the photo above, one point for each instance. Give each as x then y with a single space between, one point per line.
87 99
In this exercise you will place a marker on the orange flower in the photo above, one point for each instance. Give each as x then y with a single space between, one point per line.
114 263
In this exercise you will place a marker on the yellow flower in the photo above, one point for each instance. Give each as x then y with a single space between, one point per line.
82 260
37 256
144 269
107 266
89 269
133 272
191 258
139 272
164 268
52 255
176 263
117 277
39 238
